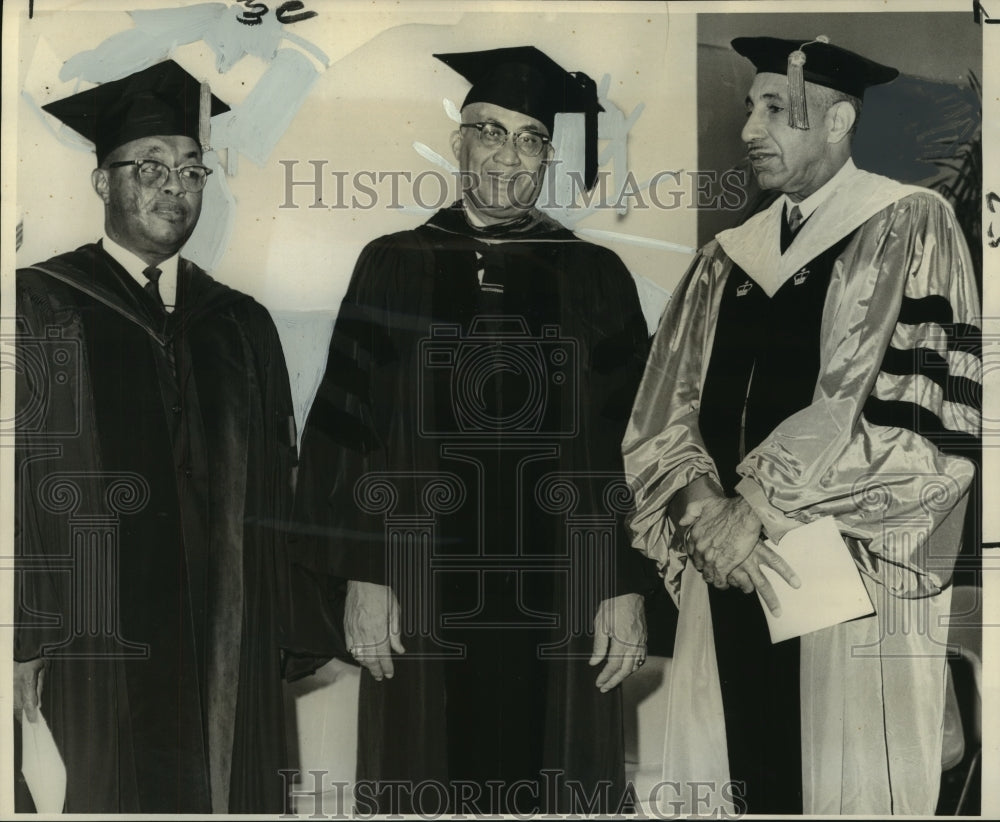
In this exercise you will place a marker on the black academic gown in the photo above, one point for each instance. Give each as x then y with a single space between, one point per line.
464 448
154 457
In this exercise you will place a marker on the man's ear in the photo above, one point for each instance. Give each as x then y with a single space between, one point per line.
456 142
840 119
99 180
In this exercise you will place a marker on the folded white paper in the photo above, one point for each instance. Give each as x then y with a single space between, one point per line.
832 590
42 765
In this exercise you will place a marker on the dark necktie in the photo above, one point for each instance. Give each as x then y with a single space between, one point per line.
790 227
152 287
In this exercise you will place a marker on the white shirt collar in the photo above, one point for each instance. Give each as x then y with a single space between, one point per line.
134 265
818 197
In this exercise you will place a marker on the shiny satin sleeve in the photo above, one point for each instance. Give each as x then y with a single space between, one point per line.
663 449
885 445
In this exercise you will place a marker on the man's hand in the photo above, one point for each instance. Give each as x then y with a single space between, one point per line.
748 576
371 626
29 678
721 534
619 635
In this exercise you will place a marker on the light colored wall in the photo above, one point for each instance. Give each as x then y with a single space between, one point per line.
381 93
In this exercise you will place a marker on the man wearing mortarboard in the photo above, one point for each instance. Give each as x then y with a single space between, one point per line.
480 375
154 409
820 359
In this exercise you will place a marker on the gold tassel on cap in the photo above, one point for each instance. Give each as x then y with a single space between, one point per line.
205 118
798 115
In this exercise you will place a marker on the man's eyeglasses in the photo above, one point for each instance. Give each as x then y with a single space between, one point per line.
153 173
526 143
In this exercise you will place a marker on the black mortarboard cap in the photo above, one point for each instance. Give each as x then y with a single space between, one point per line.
815 61
526 80
160 100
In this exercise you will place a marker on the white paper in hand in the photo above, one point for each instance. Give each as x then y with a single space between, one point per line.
42 765
832 590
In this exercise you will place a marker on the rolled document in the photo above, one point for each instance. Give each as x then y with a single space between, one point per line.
42 765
